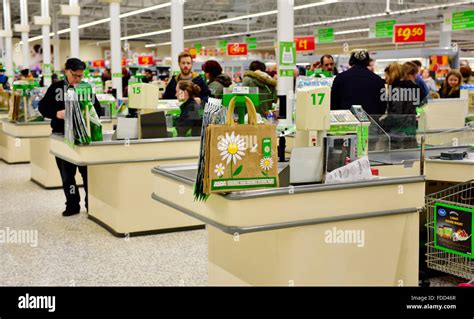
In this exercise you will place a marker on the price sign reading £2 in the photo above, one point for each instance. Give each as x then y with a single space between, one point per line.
145 60
409 33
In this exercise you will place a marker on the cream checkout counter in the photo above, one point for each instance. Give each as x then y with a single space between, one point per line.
28 142
119 176
353 233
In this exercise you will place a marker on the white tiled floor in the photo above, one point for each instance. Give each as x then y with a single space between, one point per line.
76 251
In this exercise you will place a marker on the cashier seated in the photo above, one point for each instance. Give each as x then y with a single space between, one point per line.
190 121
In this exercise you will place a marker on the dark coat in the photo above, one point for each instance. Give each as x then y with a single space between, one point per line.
217 85
190 118
454 95
170 92
54 101
358 86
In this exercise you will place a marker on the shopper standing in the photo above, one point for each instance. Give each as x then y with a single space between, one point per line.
451 87
257 77
430 83
52 106
190 119
185 61
419 80
4 79
217 80
358 86
401 108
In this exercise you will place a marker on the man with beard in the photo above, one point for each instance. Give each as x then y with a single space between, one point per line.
185 61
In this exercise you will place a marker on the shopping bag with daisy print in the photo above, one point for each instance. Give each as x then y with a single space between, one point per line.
240 157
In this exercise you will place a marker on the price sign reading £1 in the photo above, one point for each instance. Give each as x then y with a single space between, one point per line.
409 33
305 43
237 49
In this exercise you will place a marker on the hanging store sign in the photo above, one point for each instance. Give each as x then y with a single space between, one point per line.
305 43
287 59
325 35
198 46
98 63
145 60
47 70
453 229
409 33
237 49
383 29
252 43
463 20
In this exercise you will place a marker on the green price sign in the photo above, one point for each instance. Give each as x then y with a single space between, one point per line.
326 35
384 29
136 90
116 75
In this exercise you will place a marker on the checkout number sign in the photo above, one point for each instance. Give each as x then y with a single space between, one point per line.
136 90
318 98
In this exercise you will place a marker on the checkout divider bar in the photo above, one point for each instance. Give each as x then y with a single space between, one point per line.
157 159
291 190
231 230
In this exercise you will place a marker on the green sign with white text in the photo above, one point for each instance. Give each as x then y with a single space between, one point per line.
326 35
463 20
222 44
252 43
384 29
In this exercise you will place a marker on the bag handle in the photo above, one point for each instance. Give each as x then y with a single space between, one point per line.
252 113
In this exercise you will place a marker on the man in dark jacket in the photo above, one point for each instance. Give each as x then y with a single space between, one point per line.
358 86
52 106
185 61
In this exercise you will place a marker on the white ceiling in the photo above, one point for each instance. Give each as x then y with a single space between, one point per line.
200 11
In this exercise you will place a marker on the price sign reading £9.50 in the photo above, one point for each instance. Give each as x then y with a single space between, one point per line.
409 33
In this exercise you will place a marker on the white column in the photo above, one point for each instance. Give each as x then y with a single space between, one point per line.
24 34
115 48
444 38
45 30
74 25
56 44
285 26
8 40
177 32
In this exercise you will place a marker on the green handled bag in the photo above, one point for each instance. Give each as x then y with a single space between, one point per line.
240 157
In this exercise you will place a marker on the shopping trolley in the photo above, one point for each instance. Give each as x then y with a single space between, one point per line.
461 198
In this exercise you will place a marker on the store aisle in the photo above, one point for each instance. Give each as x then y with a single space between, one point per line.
75 251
